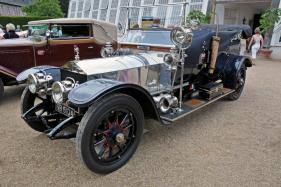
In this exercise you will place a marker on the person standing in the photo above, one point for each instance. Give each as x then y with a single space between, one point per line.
257 41
10 32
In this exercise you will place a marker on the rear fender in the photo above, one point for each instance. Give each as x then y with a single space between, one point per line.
7 76
90 92
51 70
228 66
7 72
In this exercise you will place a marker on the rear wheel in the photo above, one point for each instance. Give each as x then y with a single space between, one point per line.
241 79
1 89
35 110
110 133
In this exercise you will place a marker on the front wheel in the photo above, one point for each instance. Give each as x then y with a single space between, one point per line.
241 79
110 133
35 110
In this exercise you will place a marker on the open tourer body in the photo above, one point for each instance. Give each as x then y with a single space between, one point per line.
155 73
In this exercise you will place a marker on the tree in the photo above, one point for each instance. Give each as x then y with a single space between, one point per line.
198 15
267 22
269 18
64 6
213 11
49 8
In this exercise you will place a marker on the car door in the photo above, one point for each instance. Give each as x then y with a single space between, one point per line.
83 38
89 49
16 55
56 52
42 53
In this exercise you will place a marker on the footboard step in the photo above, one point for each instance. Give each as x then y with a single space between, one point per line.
194 103
191 106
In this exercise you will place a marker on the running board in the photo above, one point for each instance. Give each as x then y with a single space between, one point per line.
193 105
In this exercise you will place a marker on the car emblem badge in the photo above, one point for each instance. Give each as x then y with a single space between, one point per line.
76 53
41 52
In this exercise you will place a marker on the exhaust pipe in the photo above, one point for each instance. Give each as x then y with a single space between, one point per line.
166 102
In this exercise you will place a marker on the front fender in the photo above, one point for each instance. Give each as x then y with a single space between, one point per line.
52 70
228 66
92 91
85 94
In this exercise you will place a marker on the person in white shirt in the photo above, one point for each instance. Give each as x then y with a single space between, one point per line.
257 41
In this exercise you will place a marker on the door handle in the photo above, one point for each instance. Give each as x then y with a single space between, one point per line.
90 47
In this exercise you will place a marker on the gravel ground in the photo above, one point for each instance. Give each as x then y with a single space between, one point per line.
226 144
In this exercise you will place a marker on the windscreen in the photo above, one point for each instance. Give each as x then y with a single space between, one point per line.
154 37
37 30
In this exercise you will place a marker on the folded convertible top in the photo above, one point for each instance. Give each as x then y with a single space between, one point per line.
244 29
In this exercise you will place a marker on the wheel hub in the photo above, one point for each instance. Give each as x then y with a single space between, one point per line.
114 136
120 138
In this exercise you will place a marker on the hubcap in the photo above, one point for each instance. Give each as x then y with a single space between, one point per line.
120 138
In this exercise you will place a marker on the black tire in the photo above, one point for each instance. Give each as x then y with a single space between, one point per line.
241 79
1 89
96 117
27 102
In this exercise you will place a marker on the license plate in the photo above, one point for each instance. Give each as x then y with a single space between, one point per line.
65 110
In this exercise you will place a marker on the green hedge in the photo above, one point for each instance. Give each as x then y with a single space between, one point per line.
23 20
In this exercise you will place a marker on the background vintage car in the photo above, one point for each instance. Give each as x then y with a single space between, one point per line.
85 35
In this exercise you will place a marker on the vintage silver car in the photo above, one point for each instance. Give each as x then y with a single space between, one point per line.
155 73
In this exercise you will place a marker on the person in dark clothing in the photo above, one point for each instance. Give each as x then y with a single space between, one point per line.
10 32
